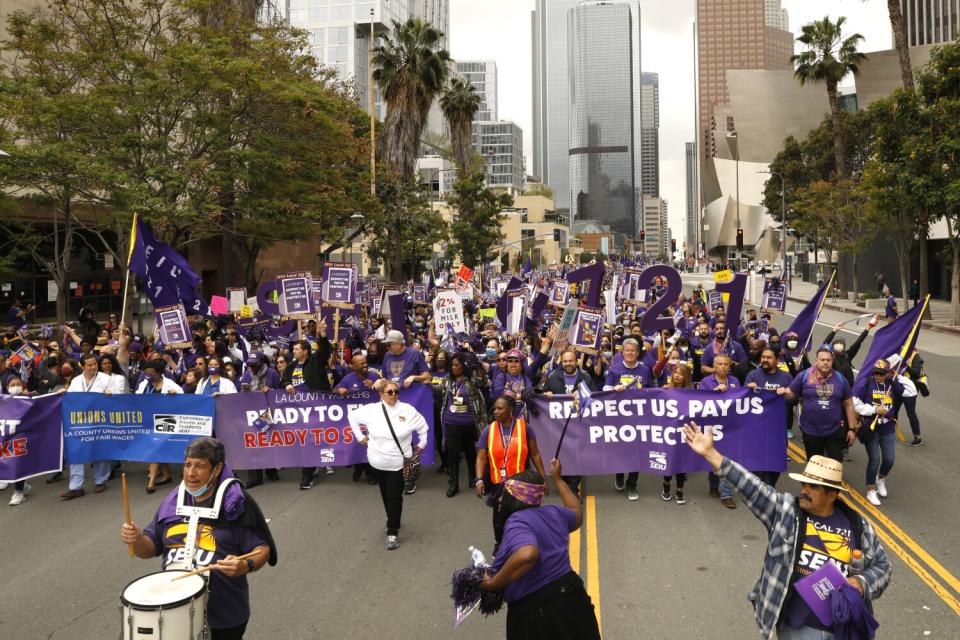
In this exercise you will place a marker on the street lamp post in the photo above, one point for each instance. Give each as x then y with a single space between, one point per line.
783 222
734 145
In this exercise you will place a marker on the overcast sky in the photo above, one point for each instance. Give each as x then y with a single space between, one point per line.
500 30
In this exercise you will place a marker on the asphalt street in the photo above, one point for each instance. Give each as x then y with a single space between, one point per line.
654 569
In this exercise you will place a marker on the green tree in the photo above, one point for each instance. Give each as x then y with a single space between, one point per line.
476 227
411 69
460 103
828 58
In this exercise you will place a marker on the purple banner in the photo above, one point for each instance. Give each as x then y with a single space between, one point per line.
30 437
641 430
303 429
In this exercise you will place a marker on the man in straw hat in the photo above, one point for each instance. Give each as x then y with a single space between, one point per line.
805 532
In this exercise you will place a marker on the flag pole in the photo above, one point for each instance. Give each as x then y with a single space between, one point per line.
823 301
126 285
576 407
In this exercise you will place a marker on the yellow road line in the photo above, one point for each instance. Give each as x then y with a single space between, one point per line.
575 550
911 544
895 547
593 561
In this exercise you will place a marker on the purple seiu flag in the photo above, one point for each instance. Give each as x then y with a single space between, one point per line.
166 276
527 266
899 337
31 442
303 429
642 430
803 324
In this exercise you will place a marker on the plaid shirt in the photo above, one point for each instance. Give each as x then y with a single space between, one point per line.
779 514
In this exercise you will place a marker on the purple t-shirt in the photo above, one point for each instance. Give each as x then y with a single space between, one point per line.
458 410
229 604
353 382
399 368
619 373
570 382
710 383
826 539
547 528
768 381
821 406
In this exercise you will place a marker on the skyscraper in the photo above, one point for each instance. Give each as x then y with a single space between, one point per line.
551 97
732 34
930 23
650 134
501 145
692 197
776 16
339 35
482 76
603 48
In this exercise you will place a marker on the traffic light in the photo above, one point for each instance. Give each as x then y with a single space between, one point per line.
739 239
643 235
673 246
556 235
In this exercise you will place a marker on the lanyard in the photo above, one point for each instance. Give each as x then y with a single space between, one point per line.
505 440
87 387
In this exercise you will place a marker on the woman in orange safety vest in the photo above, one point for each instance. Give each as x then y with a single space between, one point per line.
509 444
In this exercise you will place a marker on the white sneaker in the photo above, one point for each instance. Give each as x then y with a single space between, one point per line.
882 487
873 498
17 498
4 485
329 471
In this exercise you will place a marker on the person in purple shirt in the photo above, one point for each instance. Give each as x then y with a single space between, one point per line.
545 596
629 373
721 380
827 416
259 376
770 377
359 378
515 381
720 345
401 364
891 312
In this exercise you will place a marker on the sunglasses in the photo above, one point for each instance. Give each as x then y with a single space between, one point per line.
513 360
281 362
391 392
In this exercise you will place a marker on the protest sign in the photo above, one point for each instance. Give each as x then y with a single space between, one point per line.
246 311
774 295
336 316
566 322
714 299
560 294
448 312
641 430
30 439
219 306
236 298
420 294
139 428
296 295
516 315
303 429
173 328
585 331
721 277
339 280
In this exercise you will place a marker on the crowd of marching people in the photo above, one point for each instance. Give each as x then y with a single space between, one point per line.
474 376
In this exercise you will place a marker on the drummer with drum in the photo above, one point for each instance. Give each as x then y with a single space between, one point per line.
209 521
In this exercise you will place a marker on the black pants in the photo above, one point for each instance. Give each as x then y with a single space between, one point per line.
307 473
681 480
438 434
561 610
233 633
461 439
631 480
830 446
391 491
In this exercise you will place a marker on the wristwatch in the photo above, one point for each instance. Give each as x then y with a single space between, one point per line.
249 565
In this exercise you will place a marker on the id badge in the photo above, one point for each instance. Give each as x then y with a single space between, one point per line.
503 472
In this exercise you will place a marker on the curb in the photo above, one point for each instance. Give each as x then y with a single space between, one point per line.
926 324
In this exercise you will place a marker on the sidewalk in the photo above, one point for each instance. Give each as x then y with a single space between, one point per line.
939 309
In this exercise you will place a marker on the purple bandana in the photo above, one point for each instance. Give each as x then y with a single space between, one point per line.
525 492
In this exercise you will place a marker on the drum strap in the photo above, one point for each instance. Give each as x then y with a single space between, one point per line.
195 513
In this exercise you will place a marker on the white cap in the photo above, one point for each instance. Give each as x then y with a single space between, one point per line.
394 336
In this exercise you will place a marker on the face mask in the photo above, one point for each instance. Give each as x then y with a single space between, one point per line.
14 391
673 362
791 344
775 346
491 353
199 492
213 371
608 354
838 347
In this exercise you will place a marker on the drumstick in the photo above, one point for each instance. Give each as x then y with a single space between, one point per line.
126 506
214 566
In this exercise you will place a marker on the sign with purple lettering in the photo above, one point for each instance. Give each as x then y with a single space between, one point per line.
306 428
31 442
338 282
560 294
336 316
317 292
296 295
173 326
420 294
714 299
774 295
584 334
642 430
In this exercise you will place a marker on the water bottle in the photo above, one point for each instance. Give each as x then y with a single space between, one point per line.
479 560
856 562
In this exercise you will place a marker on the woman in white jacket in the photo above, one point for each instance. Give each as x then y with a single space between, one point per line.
386 429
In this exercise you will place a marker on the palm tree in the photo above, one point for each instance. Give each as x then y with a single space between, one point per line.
829 57
900 43
411 69
460 102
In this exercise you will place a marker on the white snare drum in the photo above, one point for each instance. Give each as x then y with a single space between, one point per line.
157 607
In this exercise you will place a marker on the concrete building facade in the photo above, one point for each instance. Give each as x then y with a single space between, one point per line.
650 134
482 76
926 22
501 145
693 202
